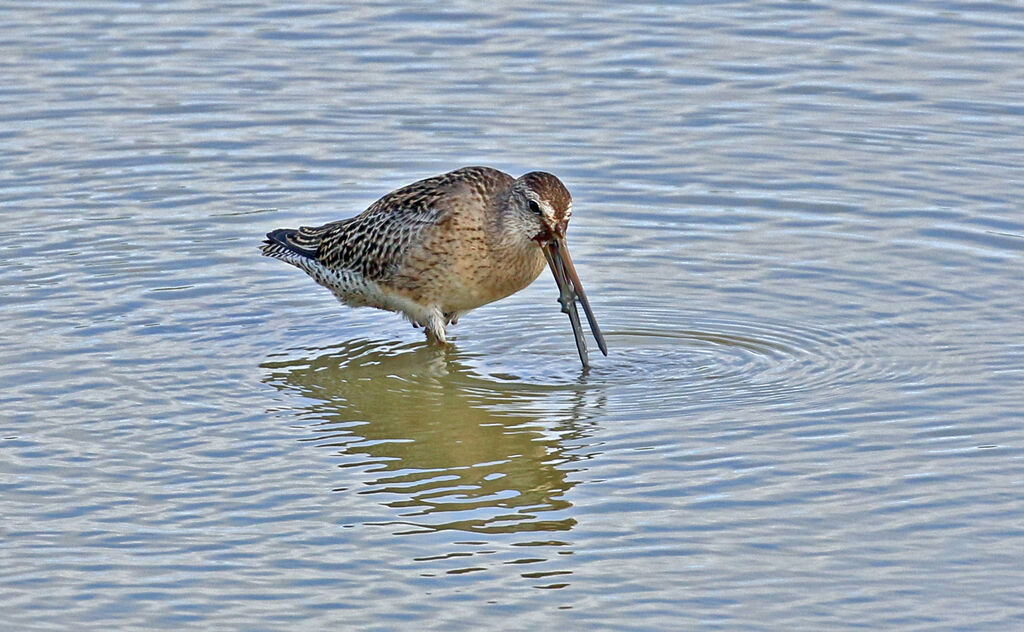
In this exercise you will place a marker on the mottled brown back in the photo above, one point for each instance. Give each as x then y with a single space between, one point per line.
374 242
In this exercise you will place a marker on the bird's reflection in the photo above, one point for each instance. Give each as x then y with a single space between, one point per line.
448 448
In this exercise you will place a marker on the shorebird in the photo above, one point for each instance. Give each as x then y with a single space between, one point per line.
440 247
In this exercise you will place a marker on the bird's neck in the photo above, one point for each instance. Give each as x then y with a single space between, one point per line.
512 251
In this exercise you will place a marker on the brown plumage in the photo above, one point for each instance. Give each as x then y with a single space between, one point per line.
440 247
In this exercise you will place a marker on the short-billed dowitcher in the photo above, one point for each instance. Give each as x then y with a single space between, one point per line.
440 247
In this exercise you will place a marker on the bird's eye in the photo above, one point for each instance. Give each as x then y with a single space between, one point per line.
535 207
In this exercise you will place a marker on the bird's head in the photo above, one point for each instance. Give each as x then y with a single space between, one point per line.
542 206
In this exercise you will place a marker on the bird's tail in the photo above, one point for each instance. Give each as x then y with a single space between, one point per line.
287 243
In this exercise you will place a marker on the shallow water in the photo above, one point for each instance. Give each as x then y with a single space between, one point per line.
800 227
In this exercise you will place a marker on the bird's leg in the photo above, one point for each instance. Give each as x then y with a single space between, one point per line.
435 328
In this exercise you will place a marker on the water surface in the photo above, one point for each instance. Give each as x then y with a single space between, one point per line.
799 225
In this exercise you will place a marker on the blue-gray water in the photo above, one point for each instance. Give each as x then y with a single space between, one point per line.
800 224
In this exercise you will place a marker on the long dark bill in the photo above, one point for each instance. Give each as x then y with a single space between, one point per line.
570 289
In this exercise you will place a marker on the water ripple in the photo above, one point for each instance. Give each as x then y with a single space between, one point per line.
799 224
681 358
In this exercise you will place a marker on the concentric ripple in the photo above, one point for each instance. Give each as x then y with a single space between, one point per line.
717 358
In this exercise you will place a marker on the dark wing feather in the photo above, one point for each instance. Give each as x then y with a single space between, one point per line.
301 241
